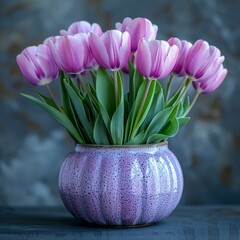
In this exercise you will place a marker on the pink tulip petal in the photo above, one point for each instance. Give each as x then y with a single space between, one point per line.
214 53
184 48
156 58
96 29
82 27
99 51
27 68
143 59
63 32
125 50
216 83
154 32
170 61
137 31
118 26
112 41
197 54
212 69
123 26
54 48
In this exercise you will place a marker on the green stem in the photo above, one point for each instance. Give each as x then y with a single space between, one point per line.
184 92
85 88
78 84
80 81
116 88
181 85
53 98
168 88
141 107
131 77
193 102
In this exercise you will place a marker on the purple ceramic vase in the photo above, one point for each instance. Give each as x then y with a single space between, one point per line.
121 185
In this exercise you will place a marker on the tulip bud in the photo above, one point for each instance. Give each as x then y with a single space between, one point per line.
155 59
72 53
111 50
138 29
37 65
209 84
204 64
184 47
82 27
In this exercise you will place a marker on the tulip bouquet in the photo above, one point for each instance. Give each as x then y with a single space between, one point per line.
100 104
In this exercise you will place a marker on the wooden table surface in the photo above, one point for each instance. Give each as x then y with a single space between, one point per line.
186 222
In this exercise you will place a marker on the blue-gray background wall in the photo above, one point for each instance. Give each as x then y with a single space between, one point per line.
33 146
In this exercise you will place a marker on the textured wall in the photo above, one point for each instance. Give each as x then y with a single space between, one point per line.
33 146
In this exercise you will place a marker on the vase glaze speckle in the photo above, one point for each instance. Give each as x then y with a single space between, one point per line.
121 185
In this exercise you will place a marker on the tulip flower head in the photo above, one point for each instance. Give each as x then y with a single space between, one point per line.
111 50
202 57
72 53
204 64
184 47
209 84
138 29
37 65
82 27
155 59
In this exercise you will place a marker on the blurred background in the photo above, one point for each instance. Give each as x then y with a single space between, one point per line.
33 146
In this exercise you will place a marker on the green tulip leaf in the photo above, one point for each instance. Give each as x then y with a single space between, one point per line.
182 121
159 121
135 81
157 106
59 116
117 121
170 130
138 139
80 111
48 100
105 91
100 132
140 108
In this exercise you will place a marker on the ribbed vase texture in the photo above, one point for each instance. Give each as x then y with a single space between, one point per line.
125 186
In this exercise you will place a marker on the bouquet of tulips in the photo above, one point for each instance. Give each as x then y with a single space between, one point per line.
111 84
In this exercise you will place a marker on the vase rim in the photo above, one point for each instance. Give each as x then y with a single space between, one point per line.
165 143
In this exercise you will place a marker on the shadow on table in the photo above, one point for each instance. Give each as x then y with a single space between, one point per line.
45 217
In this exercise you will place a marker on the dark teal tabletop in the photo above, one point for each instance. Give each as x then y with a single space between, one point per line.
186 222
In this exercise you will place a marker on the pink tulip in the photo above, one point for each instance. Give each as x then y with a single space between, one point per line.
202 58
155 59
138 28
82 27
37 65
205 64
209 83
184 47
72 53
111 50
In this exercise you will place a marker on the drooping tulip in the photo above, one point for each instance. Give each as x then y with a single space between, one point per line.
138 29
184 47
155 59
201 58
209 83
72 53
37 65
205 64
82 27
112 49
